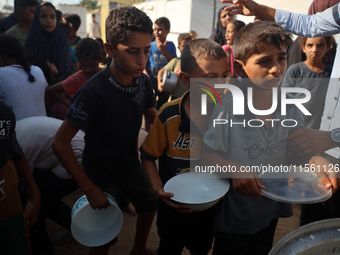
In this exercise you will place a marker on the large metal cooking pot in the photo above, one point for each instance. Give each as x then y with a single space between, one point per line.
317 238
169 81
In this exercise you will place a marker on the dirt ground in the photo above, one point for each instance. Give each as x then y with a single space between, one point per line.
65 244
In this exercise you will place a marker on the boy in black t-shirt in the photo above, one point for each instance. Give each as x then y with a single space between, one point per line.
109 108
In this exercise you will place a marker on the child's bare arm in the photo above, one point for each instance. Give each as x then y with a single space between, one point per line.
63 150
248 184
159 80
58 92
25 177
150 114
162 48
151 171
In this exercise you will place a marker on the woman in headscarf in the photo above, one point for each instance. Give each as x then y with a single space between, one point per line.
47 38
223 17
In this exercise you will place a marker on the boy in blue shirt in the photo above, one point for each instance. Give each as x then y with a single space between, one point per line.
161 52
245 222
178 226
109 108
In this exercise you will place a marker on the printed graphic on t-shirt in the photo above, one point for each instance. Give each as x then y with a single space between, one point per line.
3 194
5 127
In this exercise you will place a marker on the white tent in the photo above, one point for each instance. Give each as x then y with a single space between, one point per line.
199 15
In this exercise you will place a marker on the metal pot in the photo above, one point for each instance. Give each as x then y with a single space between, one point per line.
169 80
317 238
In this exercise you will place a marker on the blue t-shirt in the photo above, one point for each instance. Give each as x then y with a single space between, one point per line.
156 59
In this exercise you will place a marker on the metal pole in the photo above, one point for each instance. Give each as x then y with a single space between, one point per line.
214 16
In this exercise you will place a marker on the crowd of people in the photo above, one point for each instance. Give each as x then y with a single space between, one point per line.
71 110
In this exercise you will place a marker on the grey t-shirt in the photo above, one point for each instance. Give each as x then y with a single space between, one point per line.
249 146
300 76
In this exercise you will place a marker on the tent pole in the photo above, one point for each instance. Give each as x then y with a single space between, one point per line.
214 16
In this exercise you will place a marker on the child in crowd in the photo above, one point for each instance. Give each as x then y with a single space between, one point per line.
120 93
74 21
193 34
47 38
13 166
26 9
312 74
245 221
223 18
175 66
74 60
90 54
161 52
21 86
35 136
232 29
178 226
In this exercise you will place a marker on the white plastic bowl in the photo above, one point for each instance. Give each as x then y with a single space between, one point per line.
92 227
199 191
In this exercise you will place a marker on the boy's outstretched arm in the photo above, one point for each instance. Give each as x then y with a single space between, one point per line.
151 171
62 148
250 8
25 177
308 141
248 184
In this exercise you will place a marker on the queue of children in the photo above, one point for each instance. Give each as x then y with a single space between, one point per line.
243 221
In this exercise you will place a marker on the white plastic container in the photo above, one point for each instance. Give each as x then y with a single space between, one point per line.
92 227
198 191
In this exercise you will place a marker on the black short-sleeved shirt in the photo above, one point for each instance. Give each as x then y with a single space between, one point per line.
111 116
8 143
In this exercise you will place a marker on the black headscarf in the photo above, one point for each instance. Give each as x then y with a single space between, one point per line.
218 35
52 45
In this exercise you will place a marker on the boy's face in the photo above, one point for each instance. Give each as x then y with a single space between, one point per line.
27 14
211 68
182 44
269 65
207 68
160 32
129 58
89 66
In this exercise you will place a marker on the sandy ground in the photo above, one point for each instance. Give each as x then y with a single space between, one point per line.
68 246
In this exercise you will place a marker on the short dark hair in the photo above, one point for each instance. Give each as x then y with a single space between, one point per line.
330 42
184 36
90 48
12 48
67 29
163 21
198 49
123 21
252 37
25 3
74 19
238 24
